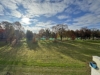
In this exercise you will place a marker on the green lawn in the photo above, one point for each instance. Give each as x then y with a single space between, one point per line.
48 58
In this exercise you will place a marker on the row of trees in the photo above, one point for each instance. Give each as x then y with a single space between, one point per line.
61 31
10 31
85 33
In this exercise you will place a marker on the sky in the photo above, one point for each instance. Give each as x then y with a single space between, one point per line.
37 14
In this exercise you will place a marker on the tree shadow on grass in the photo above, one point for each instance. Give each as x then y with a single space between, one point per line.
9 58
73 50
32 46
82 51
2 43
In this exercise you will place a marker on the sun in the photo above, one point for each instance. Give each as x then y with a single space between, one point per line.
25 20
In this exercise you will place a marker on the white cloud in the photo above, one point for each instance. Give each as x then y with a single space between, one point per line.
85 21
16 14
36 8
69 10
34 29
92 18
46 8
85 6
1 10
34 20
88 19
73 10
88 5
10 4
62 17
95 7
47 24
71 27
82 4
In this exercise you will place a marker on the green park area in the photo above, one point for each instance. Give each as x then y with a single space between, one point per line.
49 37
47 57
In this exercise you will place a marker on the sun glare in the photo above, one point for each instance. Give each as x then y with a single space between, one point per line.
26 20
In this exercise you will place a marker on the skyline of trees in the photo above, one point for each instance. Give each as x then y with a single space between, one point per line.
84 33
9 31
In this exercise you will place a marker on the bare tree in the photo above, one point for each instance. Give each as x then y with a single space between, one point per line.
60 28
41 33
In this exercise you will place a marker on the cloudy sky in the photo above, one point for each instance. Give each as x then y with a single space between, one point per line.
36 14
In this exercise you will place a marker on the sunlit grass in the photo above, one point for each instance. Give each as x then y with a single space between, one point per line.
48 58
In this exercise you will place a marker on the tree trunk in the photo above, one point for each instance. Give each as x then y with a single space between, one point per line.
61 37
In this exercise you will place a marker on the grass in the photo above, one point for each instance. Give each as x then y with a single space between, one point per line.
48 58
